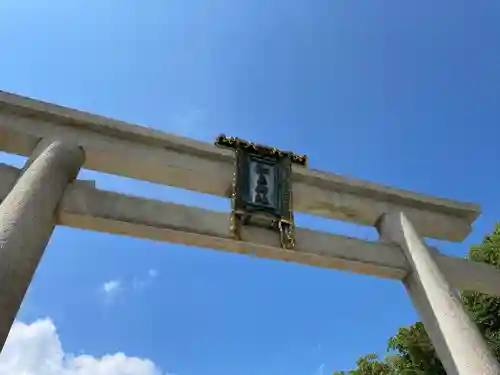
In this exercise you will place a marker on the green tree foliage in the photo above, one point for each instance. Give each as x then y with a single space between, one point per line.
485 309
415 353
370 365
411 350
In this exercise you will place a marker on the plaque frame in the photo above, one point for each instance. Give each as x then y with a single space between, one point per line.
252 204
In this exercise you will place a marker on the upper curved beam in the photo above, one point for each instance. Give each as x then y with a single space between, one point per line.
142 153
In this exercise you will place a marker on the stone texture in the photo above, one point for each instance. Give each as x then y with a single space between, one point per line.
455 336
142 153
87 208
27 221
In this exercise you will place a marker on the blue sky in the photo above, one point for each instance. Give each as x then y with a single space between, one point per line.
399 93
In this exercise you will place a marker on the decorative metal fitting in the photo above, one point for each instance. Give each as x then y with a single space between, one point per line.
262 189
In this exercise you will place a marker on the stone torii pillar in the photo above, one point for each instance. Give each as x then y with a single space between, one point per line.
27 220
455 336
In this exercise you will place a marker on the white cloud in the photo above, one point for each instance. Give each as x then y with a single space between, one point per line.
321 369
138 283
152 273
35 349
111 286
111 290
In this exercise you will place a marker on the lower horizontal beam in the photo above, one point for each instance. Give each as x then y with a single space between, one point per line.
85 207
115 213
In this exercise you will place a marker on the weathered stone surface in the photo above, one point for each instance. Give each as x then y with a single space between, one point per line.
105 211
454 335
27 219
132 151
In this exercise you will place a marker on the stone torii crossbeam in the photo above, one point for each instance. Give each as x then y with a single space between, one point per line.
59 141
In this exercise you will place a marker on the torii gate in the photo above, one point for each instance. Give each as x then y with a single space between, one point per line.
59 141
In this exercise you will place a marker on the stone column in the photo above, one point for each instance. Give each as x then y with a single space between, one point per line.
454 335
27 219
